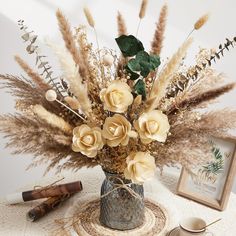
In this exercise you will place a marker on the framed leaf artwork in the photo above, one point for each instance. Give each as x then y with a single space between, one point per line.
211 184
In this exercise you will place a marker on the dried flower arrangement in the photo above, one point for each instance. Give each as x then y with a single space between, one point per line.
119 111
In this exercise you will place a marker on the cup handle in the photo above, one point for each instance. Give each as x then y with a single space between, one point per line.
208 233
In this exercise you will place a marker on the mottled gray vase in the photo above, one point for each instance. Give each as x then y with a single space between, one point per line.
119 209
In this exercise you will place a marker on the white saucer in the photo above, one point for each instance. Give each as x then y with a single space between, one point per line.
174 232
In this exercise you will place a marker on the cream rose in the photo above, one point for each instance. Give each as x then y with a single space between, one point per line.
87 140
140 167
117 130
153 125
117 97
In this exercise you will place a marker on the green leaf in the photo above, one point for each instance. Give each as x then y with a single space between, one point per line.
133 75
129 45
140 88
154 61
134 65
142 56
143 63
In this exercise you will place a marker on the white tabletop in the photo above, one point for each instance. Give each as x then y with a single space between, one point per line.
161 189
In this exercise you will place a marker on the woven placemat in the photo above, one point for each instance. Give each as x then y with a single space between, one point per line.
155 224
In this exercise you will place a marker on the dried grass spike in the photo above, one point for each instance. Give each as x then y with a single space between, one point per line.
143 8
122 30
68 37
52 119
39 82
158 38
89 17
202 97
161 84
201 21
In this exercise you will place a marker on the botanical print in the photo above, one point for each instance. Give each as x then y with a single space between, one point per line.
209 179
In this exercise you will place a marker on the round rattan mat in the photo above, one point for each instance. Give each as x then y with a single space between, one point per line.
155 224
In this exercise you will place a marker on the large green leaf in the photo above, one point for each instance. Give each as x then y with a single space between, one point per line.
140 88
129 45
143 63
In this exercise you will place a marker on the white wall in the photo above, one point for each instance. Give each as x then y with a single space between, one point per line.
39 15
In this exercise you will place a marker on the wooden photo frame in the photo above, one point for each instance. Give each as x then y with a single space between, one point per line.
211 184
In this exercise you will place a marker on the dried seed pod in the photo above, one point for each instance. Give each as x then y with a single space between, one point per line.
143 9
89 17
72 102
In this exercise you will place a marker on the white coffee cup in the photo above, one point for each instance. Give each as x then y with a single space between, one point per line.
193 226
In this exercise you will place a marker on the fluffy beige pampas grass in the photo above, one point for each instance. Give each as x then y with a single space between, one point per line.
71 74
158 38
160 85
52 119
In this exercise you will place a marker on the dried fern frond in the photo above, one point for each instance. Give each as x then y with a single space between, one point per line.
122 29
157 42
161 84
36 78
193 102
203 68
67 35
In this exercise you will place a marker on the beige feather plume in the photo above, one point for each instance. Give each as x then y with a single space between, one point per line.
71 74
52 119
160 85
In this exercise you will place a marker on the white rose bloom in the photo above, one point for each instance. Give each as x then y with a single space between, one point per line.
153 125
117 130
117 97
140 167
87 140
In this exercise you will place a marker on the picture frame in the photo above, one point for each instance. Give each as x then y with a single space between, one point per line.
211 184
